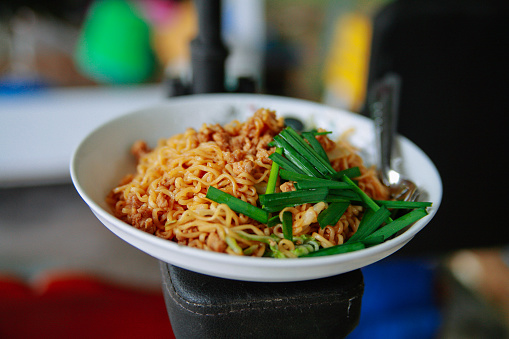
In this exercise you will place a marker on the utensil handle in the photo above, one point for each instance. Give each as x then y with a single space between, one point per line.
383 106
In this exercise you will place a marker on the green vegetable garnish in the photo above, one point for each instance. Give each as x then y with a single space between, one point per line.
294 176
370 222
336 250
316 145
284 163
352 172
287 225
274 171
237 205
295 157
302 160
293 198
395 226
332 214
363 196
318 162
400 204
317 182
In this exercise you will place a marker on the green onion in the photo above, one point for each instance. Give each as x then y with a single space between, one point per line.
294 139
363 196
232 243
352 172
397 225
294 197
267 239
369 223
371 241
270 240
293 176
273 221
287 225
315 132
331 198
274 172
317 182
237 205
336 250
345 194
301 250
295 157
400 204
332 214
284 163
316 145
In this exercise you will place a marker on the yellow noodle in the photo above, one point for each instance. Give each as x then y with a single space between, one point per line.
166 195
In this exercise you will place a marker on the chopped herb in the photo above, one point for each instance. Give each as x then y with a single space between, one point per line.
400 204
293 176
284 163
295 157
274 171
298 197
317 182
370 222
232 243
332 214
273 221
298 143
363 196
352 172
395 226
316 145
287 225
344 248
237 205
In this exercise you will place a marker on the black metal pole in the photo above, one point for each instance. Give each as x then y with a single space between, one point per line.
208 52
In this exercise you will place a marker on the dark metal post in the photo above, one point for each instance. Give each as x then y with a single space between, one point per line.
208 52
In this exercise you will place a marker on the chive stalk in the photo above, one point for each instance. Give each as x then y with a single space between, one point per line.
397 225
295 157
371 221
344 248
317 182
363 196
401 204
318 162
287 225
294 197
293 176
316 145
274 172
237 204
352 172
284 163
332 214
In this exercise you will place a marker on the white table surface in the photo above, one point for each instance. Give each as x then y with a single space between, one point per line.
40 130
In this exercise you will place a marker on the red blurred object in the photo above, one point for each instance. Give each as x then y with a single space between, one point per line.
80 306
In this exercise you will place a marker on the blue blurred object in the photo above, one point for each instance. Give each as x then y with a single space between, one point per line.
12 86
399 301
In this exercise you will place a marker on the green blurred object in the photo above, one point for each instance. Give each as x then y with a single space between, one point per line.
114 46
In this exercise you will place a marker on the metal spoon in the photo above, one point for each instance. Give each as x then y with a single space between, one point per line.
383 106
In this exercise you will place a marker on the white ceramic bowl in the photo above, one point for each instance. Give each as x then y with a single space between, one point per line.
103 158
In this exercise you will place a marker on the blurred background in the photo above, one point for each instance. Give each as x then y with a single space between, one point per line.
68 66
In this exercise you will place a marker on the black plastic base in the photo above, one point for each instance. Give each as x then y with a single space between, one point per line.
201 306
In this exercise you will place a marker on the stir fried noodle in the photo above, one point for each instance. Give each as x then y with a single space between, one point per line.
166 196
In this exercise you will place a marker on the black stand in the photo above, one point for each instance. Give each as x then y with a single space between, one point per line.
201 306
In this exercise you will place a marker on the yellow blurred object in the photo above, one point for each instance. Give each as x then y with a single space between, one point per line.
346 68
171 39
